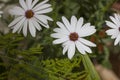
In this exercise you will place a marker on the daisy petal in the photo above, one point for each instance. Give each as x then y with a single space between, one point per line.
57 35
110 24
36 24
65 49
79 24
42 21
34 2
61 40
46 17
45 6
16 11
86 30
63 27
114 20
73 23
61 31
112 31
23 4
79 47
29 3
32 29
41 18
117 40
18 25
66 23
15 21
44 11
40 4
85 48
25 28
71 50
66 46
86 42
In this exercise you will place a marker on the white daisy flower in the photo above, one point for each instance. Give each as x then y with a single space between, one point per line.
114 32
30 15
71 35
1 13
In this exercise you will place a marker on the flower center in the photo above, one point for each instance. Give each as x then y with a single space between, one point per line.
29 14
73 36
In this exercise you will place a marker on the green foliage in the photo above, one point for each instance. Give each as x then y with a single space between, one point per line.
64 69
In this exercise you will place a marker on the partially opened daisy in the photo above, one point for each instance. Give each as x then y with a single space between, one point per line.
71 35
114 24
30 16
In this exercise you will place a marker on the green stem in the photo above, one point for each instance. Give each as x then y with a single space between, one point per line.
89 67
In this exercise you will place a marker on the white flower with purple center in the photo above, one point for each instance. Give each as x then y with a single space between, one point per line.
114 24
71 35
30 16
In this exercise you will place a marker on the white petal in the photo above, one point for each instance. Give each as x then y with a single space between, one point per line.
85 48
19 30
32 28
110 24
17 11
114 20
61 31
63 27
61 40
66 23
45 6
57 35
113 32
18 25
65 46
42 21
40 4
15 21
65 49
23 4
34 2
80 48
36 24
47 10
29 3
73 23
86 42
115 35
46 17
79 24
25 28
71 50
117 40
86 31
117 17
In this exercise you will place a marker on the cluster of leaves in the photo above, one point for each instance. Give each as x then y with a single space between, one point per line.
37 59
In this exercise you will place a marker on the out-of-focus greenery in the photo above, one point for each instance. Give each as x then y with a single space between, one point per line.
27 58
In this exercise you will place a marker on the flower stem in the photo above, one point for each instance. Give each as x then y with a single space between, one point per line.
89 67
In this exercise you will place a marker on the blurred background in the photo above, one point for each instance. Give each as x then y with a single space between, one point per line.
27 58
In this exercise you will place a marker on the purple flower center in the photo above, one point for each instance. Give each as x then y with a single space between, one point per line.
29 14
73 36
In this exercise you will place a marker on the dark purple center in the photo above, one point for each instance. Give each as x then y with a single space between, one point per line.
73 36
29 14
